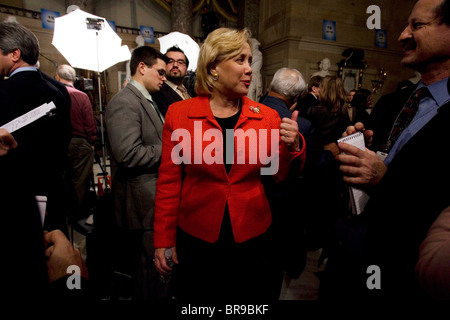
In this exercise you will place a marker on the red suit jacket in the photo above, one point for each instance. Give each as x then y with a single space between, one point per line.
193 194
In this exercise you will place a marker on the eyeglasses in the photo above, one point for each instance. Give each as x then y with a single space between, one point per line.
179 62
161 72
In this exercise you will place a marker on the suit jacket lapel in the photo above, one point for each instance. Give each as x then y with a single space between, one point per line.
201 109
250 110
149 109
174 96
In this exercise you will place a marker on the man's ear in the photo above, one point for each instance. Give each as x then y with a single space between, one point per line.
15 55
141 68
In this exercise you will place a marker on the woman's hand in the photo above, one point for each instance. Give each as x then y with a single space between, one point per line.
289 132
161 262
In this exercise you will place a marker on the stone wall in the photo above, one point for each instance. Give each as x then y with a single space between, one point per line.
291 35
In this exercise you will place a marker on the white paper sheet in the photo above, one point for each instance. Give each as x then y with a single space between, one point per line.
29 117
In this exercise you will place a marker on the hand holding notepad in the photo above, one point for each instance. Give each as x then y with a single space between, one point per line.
358 198
356 139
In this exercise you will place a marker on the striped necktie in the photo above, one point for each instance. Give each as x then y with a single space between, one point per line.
405 116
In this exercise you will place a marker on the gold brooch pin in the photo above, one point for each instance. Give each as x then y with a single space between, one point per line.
254 109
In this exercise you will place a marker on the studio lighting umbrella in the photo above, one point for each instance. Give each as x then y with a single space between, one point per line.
88 42
185 43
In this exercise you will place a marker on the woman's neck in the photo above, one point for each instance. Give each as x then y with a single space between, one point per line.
223 107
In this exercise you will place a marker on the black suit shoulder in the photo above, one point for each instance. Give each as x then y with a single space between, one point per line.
43 143
165 97
305 103
384 114
309 100
27 90
412 193
58 85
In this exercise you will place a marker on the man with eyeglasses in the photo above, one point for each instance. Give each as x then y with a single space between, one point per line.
380 254
173 89
134 126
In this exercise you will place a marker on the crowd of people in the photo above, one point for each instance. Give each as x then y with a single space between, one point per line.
216 197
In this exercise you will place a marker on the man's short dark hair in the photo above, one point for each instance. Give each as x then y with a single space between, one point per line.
145 54
314 82
177 49
360 98
14 36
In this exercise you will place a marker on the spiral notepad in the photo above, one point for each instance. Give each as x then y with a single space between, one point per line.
358 198
356 139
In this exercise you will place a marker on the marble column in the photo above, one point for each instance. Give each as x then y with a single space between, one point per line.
248 16
181 15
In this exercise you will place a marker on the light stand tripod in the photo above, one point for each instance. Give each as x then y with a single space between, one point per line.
97 24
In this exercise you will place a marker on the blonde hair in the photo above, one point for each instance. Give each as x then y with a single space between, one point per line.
220 45
332 93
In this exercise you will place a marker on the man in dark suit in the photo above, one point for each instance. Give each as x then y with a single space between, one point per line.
39 162
286 85
134 126
311 99
409 189
284 88
173 89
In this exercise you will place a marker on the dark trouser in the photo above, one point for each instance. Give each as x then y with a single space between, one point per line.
135 258
225 270
81 159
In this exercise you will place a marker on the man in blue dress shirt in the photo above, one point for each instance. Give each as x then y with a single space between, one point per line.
408 181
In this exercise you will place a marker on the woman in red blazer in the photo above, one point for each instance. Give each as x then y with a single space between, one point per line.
211 210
